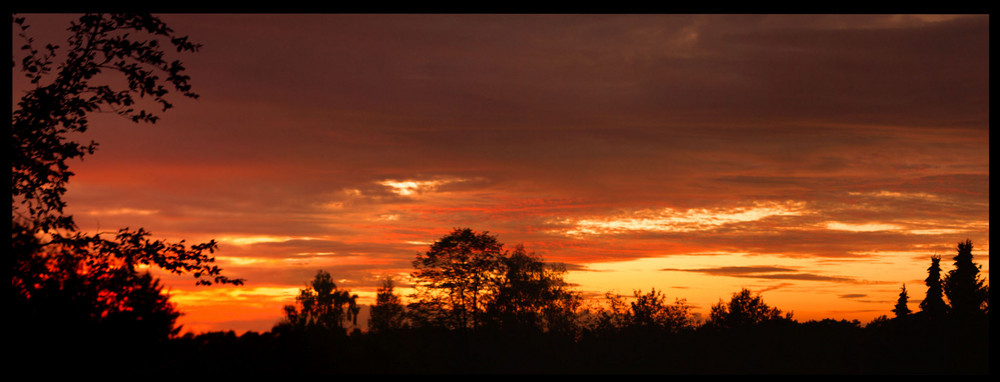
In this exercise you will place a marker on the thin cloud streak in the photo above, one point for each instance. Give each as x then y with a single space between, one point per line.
770 273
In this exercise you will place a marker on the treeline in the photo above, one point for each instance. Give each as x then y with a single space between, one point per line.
481 309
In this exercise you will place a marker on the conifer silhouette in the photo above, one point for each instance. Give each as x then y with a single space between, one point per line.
933 304
965 290
901 310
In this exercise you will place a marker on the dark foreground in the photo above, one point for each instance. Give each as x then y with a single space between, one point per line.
823 347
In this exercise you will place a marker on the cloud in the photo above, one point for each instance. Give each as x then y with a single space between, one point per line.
853 295
671 220
775 287
767 273
865 227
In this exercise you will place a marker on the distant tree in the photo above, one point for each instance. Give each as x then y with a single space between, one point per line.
743 310
902 310
613 316
651 311
77 277
966 292
878 322
933 304
648 311
455 278
388 312
531 294
321 307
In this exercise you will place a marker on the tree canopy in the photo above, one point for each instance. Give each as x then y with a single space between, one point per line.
455 279
466 280
744 310
531 294
58 271
388 313
321 306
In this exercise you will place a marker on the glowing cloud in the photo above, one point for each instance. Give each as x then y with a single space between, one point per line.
671 220
410 186
250 240
123 211
893 194
867 227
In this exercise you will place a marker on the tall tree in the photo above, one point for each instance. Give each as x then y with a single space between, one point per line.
454 279
388 312
966 292
743 310
901 309
57 270
321 306
933 304
532 294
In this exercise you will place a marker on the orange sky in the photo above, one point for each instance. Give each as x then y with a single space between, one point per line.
819 160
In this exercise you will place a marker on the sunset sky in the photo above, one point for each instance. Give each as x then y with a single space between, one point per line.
819 160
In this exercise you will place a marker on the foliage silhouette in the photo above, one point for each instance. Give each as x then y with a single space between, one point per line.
933 305
966 292
454 280
648 312
61 275
466 280
58 106
744 310
532 295
388 313
320 307
901 309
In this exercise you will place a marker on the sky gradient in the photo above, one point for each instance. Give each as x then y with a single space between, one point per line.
820 160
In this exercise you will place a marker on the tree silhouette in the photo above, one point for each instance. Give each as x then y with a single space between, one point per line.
966 292
651 311
614 316
743 310
901 309
532 294
321 307
454 279
58 105
388 312
648 311
933 304
55 267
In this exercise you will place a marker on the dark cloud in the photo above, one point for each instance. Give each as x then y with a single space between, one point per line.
853 295
767 273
